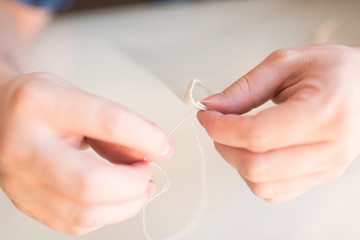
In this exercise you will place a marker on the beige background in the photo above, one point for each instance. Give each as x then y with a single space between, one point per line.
144 56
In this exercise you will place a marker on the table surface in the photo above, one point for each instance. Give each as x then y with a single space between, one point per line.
143 57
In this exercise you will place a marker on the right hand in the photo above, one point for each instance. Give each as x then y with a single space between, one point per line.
309 138
44 124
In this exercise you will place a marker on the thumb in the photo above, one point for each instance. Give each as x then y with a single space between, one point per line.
259 85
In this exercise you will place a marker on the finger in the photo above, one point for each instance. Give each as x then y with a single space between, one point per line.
260 84
289 124
46 205
284 163
50 220
47 218
61 206
115 153
276 189
101 215
84 219
83 177
44 217
86 114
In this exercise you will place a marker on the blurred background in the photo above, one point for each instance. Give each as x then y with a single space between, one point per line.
143 54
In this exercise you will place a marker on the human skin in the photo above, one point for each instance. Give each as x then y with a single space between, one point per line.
308 138
46 123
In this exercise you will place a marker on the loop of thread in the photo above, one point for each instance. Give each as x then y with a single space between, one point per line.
203 201
189 96
196 105
164 190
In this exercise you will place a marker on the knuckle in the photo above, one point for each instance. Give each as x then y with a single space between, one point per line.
344 121
27 92
257 141
261 190
24 97
130 213
283 54
111 120
242 85
82 217
273 200
76 231
253 171
338 163
83 187
49 77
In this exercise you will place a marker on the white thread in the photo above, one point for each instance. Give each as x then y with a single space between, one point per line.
164 190
167 184
203 201
189 95
174 128
180 122
196 105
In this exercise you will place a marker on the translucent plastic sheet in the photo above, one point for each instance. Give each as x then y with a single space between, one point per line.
190 190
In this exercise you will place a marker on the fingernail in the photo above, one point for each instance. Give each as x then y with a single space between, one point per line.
213 98
167 153
150 191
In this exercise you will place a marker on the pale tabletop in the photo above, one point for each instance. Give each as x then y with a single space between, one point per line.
144 56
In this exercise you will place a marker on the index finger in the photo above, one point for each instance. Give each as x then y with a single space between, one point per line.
95 117
291 123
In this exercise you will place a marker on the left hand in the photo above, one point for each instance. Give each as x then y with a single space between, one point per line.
309 138
45 122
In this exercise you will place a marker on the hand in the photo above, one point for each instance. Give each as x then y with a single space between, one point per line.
309 138
44 124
